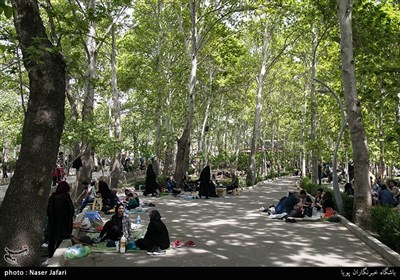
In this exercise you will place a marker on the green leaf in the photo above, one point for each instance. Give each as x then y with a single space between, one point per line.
8 11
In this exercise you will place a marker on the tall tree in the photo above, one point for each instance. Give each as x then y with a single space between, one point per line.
362 193
116 163
182 155
251 171
22 212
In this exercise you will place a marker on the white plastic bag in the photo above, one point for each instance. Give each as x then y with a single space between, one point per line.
86 224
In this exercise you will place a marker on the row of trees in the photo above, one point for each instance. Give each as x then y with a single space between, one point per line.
153 75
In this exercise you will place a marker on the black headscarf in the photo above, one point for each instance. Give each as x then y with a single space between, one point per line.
157 232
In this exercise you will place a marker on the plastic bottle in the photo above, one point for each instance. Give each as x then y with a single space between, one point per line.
138 220
122 245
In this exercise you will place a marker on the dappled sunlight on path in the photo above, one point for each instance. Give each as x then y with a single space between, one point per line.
231 231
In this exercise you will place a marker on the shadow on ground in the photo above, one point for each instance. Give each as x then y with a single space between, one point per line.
231 231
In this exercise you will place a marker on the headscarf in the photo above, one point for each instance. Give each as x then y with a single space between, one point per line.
62 192
62 189
155 215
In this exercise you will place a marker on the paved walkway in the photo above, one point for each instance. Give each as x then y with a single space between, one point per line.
231 231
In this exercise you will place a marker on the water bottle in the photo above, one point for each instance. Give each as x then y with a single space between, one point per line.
138 220
122 244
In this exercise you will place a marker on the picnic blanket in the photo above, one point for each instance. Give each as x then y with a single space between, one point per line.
306 218
103 248
188 196
136 210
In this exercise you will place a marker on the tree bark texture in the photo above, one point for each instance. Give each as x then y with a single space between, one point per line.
23 211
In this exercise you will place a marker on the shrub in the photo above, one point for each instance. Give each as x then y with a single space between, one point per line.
386 222
348 201
390 234
378 217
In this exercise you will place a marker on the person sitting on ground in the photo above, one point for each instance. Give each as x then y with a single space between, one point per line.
171 186
385 197
127 197
298 211
286 204
306 198
234 183
156 238
132 203
87 195
327 201
318 198
187 184
306 201
105 192
118 225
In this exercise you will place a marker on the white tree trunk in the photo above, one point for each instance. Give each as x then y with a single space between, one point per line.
116 163
251 169
362 193
85 172
182 156
314 152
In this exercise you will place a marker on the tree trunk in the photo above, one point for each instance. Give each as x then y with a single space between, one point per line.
23 210
381 136
182 155
85 172
170 144
314 152
303 161
75 146
116 164
251 169
362 193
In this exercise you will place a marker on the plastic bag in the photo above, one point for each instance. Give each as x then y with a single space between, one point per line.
86 224
77 251
132 246
92 216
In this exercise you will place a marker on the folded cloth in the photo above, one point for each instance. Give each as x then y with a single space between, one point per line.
189 243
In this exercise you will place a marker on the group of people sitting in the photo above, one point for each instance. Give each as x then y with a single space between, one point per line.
207 184
385 195
155 240
100 189
61 211
301 204
204 186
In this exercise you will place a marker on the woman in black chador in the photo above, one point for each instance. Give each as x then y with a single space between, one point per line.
60 212
205 180
151 183
156 238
